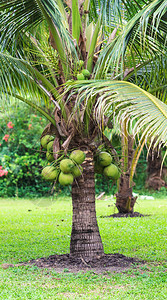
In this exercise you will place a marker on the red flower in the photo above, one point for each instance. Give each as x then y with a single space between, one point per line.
10 125
0 167
6 137
3 172
0 144
29 126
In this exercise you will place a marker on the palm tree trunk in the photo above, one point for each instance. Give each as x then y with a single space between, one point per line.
125 200
85 237
155 179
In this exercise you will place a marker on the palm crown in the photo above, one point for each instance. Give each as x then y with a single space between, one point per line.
43 42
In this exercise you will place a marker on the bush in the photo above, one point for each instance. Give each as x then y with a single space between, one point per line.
20 155
21 160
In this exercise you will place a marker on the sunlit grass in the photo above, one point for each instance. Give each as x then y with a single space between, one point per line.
32 229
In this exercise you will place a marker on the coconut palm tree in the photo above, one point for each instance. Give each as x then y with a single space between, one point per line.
147 69
154 79
47 47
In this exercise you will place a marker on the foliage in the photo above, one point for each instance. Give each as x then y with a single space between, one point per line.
47 57
135 36
20 154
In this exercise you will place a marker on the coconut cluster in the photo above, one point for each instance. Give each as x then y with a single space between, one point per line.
103 165
63 170
82 73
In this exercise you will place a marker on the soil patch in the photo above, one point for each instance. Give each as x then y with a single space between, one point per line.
66 263
125 215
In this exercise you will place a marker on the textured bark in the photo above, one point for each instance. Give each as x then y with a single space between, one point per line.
85 237
155 179
125 200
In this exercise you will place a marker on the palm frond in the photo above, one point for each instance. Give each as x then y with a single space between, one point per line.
144 35
15 17
19 77
115 11
151 76
22 16
15 76
128 102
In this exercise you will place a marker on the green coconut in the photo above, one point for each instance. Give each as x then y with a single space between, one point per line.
66 165
65 179
46 139
86 73
77 171
50 147
98 168
78 156
81 63
50 173
111 171
49 156
105 159
80 76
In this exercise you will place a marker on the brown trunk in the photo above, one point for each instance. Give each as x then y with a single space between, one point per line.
155 178
125 200
85 237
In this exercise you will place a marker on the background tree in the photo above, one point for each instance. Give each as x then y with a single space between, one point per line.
145 66
45 45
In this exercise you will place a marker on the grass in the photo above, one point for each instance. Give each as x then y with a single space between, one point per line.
32 229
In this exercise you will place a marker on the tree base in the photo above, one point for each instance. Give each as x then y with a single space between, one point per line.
108 262
155 182
126 215
125 204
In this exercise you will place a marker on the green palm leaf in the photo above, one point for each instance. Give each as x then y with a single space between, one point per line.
19 79
115 9
144 36
128 102
22 16
18 75
152 76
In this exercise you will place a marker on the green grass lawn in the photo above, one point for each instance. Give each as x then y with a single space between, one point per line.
38 228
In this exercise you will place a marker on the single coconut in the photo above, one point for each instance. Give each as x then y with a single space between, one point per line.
77 171
50 146
105 159
49 156
50 173
80 76
66 165
86 73
111 171
46 139
78 156
81 63
65 179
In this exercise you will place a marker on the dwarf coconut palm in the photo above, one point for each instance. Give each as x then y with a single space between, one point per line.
62 58
137 54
